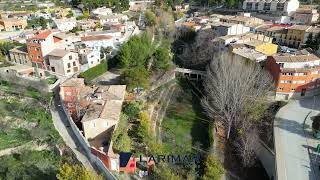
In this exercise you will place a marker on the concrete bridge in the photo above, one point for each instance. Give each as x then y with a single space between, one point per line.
192 74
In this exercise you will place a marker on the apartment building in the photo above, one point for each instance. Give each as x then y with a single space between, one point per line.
306 16
19 55
280 7
98 41
39 46
12 24
295 74
89 58
63 62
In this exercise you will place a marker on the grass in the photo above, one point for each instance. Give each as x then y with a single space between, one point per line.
51 79
25 119
94 72
185 128
14 137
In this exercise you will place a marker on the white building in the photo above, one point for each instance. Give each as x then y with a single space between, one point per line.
306 16
281 7
65 24
88 58
63 62
223 29
103 11
97 41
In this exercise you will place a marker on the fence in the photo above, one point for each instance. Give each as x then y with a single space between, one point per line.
85 145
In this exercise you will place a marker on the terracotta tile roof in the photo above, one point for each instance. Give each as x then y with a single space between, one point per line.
42 35
73 82
56 39
299 56
96 38
299 27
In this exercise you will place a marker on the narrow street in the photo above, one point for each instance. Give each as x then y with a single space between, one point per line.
62 125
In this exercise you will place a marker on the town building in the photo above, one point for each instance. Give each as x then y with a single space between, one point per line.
63 62
19 55
263 47
244 20
248 53
39 46
280 7
306 16
98 41
223 29
12 24
103 11
89 58
295 74
182 7
139 5
65 24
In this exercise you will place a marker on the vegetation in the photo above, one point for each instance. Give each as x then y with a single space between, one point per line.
94 72
5 46
38 22
72 172
313 42
132 110
184 127
213 170
51 79
162 59
118 5
136 77
75 29
30 165
144 130
150 18
120 138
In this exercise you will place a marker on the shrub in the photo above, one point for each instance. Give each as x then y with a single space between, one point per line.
94 72
213 170
316 123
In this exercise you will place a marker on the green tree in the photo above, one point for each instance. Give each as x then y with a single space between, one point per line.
75 29
150 18
144 130
5 46
43 23
98 25
136 51
162 59
213 170
136 77
164 172
132 109
71 172
121 140
313 42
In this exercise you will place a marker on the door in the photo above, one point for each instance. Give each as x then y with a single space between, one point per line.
303 92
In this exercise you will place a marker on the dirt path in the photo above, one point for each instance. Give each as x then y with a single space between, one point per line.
28 146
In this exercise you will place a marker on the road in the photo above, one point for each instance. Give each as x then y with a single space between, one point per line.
62 125
293 152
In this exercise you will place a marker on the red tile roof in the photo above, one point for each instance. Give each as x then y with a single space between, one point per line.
96 38
55 39
42 35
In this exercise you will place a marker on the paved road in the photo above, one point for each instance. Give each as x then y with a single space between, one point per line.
62 125
291 142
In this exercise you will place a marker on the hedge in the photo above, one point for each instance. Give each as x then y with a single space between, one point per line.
94 72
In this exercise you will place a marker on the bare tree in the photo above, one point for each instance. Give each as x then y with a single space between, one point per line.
232 83
201 51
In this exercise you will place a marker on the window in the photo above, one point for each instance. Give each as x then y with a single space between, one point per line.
74 63
93 124
70 57
69 65
280 88
305 74
38 57
37 49
290 74
68 71
91 62
281 65
53 69
70 105
105 124
293 89
31 56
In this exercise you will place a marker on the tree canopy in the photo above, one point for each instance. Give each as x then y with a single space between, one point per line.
70 172
118 5
213 170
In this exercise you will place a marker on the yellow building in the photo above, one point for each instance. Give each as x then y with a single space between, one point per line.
296 35
263 47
